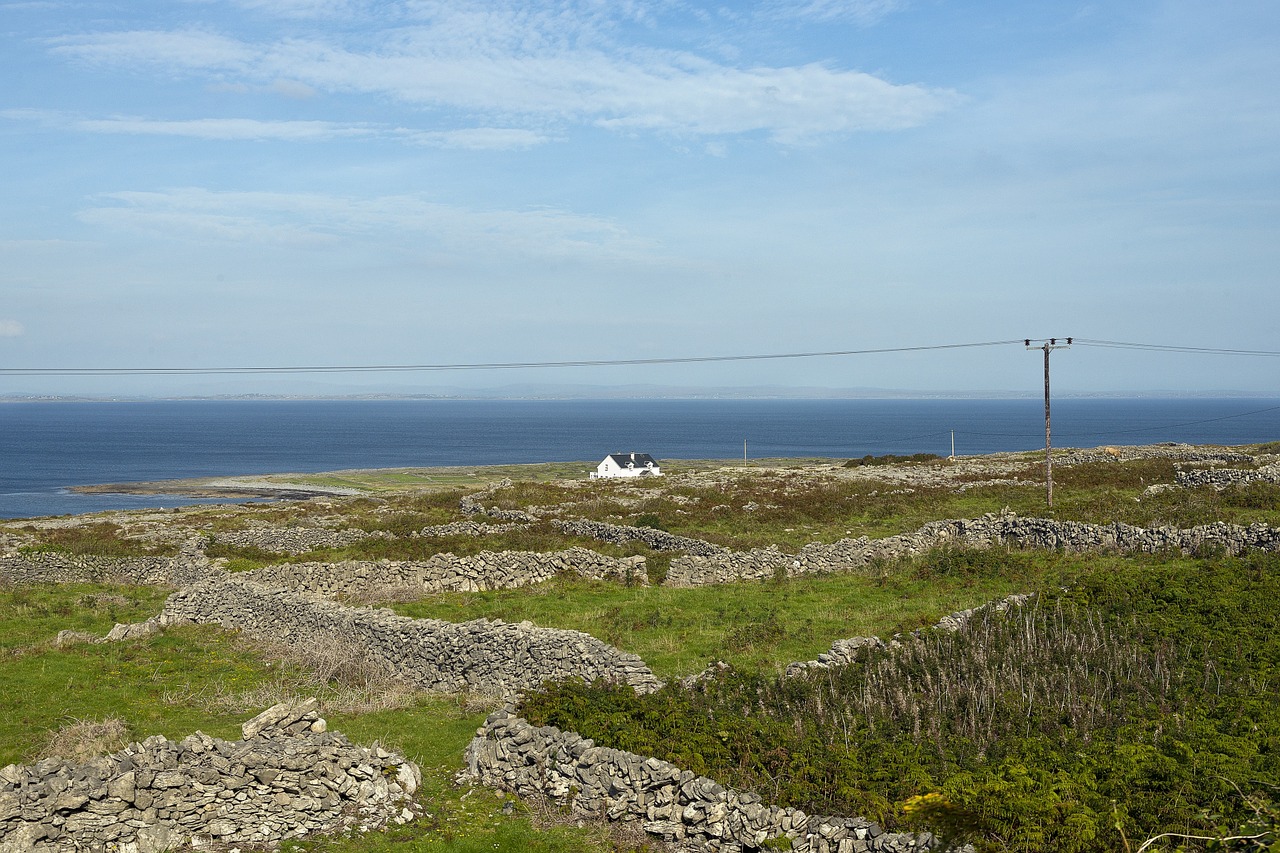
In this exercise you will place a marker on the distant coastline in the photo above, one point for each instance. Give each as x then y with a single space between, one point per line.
649 392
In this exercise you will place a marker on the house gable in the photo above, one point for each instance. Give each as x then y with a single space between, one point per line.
628 465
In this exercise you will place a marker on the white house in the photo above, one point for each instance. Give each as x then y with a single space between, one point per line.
628 465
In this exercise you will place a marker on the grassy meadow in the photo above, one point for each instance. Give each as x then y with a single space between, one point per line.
1153 707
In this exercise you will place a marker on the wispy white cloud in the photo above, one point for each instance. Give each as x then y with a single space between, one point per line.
293 89
861 12
556 64
256 130
302 8
302 219
480 138
210 128
227 129
180 50
11 329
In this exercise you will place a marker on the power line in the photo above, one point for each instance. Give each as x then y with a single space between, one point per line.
509 365
526 365
1173 348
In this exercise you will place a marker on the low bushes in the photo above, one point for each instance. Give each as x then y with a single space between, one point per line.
1137 702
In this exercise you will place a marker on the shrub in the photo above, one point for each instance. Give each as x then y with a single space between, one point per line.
1146 684
891 459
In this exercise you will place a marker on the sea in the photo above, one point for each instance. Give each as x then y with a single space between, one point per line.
47 447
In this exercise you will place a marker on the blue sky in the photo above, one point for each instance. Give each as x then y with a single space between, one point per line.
196 183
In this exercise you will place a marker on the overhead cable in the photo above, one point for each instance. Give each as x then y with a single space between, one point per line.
508 365
1173 348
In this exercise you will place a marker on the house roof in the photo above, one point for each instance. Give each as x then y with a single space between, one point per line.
640 460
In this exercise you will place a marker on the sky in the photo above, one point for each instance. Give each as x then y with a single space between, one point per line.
277 183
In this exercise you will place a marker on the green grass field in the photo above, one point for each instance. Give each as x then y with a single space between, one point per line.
200 677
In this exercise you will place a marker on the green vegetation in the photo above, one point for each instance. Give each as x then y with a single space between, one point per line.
202 678
33 615
757 626
1138 700
891 459
1137 696
96 540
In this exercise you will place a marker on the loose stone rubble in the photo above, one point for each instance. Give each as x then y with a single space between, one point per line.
287 777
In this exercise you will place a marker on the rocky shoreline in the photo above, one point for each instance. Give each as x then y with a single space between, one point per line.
231 489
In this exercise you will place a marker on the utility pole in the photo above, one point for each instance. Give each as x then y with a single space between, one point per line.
1048 347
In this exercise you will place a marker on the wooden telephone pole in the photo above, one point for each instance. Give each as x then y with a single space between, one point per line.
1048 347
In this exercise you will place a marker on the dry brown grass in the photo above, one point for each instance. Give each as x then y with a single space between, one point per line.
605 835
334 669
79 740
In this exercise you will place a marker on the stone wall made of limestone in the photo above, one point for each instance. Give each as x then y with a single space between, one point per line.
988 531
482 655
697 813
387 580
296 540
469 528
288 777
620 534
1222 478
58 567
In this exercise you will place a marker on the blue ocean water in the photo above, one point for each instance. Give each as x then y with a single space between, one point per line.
47 446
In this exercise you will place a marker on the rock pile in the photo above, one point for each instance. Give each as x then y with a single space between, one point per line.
482 655
288 777
508 753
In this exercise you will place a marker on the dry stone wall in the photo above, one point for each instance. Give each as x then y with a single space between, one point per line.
287 777
389 580
482 655
986 532
620 534
473 504
1222 478
297 540
468 528
57 567
695 812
